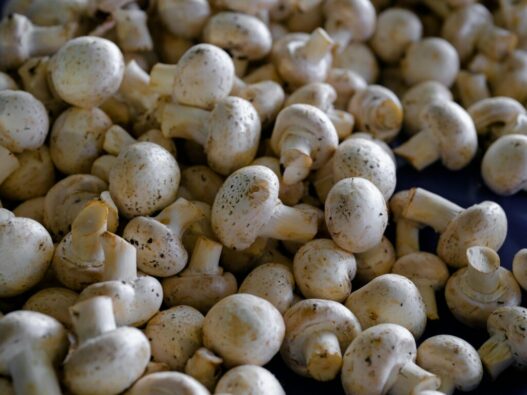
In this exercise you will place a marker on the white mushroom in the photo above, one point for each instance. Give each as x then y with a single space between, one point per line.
167 382
131 28
346 83
205 367
249 380
32 208
359 58
54 302
184 18
376 261
201 182
471 88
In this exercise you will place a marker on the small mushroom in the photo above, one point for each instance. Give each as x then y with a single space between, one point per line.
376 261
26 249
249 379
453 360
131 29
359 58
184 18
117 139
54 302
243 329
135 90
519 267
201 182
32 208
447 133
95 367
507 345
205 367
247 207
87 70
346 83
381 359
356 214
167 382
323 270
471 88
474 292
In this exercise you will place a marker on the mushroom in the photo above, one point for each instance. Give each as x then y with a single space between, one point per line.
205 367
31 345
116 139
453 360
273 282
302 58
378 111
389 298
102 166
471 88
160 251
519 267
229 134
167 382
131 28
304 138
26 249
135 298
356 214
7 82
346 83
175 335
87 70
203 283
247 207
406 231
447 133
184 18
395 30
243 329
504 165
249 379
32 208
145 178
376 261
54 302
77 139
203 76
357 157
95 367
474 292
432 58
317 331
323 270
135 90
359 58
483 224
201 182
381 359
507 344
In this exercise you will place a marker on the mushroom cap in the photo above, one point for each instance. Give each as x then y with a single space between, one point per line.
504 165
451 358
483 224
323 270
35 330
244 36
318 94
24 121
356 16
234 135
86 71
493 114
161 383
316 126
96 366
202 183
309 317
54 302
205 75
389 298
358 57
184 18
26 249
375 357
356 214
243 329
422 268
144 179
511 322
243 205
175 335
359 157
376 261
249 380
77 139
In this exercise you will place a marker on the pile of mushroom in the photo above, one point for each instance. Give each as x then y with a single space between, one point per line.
200 194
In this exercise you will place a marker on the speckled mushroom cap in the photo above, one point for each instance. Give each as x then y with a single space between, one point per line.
244 204
87 70
24 121
249 380
26 249
389 298
356 214
310 317
144 179
483 224
243 329
160 383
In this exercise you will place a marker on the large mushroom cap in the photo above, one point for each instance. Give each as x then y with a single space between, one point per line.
161 383
249 380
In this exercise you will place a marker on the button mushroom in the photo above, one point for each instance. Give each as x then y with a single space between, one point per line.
54 302
201 182
205 367
184 18
32 208
376 261
167 382
249 380
519 267
346 83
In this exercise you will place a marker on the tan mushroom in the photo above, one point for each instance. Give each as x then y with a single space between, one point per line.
173 382
376 261
54 302
249 380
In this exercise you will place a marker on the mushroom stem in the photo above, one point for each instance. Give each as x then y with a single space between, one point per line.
295 154
407 237
33 373
324 179
162 78
184 122
482 270
429 298
92 317
290 223
119 258
317 47
86 230
496 355
47 40
205 367
421 150
8 163
115 139
323 356
205 258
340 36
430 209
413 379
180 215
